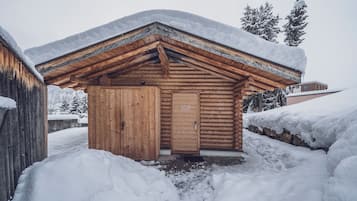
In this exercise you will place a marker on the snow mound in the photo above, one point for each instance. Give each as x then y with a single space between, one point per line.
319 122
342 187
273 171
7 38
224 34
7 103
92 175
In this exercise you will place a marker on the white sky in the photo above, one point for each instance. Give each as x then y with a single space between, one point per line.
330 44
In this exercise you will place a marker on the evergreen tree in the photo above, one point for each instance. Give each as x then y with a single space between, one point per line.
296 23
64 106
261 21
74 108
83 108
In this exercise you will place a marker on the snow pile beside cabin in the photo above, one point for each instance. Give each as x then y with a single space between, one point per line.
319 122
220 33
273 171
7 103
93 175
7 38
329 121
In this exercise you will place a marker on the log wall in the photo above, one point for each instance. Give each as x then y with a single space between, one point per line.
216 100
23 135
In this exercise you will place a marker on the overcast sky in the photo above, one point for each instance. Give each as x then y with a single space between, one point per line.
330 45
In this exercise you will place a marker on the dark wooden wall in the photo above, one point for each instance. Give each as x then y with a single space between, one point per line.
23 136
216 100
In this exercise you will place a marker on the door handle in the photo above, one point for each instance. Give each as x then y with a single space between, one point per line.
195 125
122 125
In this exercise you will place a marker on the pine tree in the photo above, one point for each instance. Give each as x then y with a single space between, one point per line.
74 108
294 28
261 21
83 108
64 106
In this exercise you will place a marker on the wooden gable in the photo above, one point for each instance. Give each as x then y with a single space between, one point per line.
145 46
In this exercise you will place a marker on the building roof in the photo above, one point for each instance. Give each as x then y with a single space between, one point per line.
9 41
315 92
232 37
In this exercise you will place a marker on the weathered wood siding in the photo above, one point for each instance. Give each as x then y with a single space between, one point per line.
23 136
216 100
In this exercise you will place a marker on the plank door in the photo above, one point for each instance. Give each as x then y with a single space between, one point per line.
104 119
133 124
185 137
140 126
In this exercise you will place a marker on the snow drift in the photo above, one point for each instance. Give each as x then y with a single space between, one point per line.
319 122
93 175
220 33
329 121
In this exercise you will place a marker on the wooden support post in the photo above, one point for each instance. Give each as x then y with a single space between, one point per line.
164 60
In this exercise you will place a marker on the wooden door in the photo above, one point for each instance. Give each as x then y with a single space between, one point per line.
104 119
125 121
185 137
132 122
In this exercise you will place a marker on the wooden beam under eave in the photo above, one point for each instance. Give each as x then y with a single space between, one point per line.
135 61
102 64
79 80
164 60
194 63
232 68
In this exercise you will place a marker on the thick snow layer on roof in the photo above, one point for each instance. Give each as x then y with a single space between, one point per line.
7 38
7 103
227 35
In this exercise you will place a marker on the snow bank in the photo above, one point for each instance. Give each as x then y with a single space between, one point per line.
62 116
7 103
342 187
319 122
273 171
92 175
227 35
4 35
329 121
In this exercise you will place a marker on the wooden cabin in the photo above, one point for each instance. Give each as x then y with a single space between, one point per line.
164 79
23 129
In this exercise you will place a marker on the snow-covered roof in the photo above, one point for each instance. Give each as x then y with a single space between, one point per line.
314 92
11 43
232 37
7 103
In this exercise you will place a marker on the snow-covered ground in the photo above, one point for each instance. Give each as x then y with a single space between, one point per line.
329 121
273 170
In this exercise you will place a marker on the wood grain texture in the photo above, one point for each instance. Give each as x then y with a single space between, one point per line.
185 134
125 120
216 100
